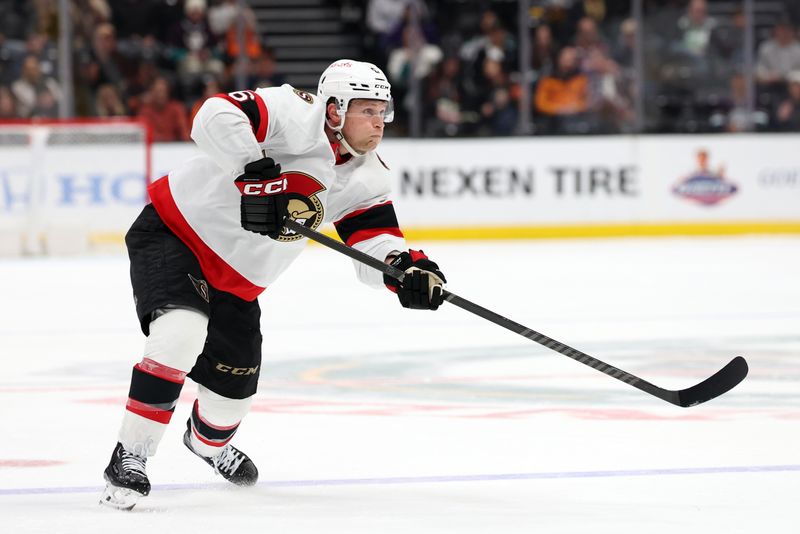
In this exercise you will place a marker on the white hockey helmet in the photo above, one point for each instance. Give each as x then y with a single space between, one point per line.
347 80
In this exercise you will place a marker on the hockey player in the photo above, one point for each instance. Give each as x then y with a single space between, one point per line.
213 239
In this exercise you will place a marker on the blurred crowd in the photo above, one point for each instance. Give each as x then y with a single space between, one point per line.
582 75
155 59
454 61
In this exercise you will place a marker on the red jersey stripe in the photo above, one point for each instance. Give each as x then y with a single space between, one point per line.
261 132
217 272
258 114
362 235
356 213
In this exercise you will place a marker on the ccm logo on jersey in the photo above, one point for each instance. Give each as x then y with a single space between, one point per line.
262 189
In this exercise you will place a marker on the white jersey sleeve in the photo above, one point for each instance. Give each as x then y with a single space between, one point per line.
236 128
363 214
227 126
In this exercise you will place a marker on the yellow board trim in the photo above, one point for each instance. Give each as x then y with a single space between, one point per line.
601 230
457 233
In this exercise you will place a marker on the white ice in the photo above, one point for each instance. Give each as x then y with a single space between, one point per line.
374 419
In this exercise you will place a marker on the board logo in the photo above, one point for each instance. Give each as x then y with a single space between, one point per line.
704 185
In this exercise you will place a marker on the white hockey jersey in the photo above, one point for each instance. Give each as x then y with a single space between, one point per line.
200 202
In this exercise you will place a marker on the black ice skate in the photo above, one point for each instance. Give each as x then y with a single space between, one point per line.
126 479
234 465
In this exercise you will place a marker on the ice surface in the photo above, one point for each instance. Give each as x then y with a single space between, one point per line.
375 419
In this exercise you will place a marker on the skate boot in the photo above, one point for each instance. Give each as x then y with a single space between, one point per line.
126 479
234 465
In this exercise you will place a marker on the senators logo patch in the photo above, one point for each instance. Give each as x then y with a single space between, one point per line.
201 286
305 97
305 206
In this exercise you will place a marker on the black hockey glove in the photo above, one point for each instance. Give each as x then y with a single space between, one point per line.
264 203
421 288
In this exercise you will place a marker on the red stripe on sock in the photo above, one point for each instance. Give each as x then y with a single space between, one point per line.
148 412
215 427
160 370
209 442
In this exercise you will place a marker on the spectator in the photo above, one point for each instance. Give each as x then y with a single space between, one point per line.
443 99
46 17
17 20
146 73
167 117
46 106
37 44
778 56
599 11
264 71
545 51
29 86
606 89
383 20
624 79
12 53
787 116
494 43
727 41
8 104
732 114
402 70
221 16
472 47
191 32
625 47
592 51
104 63
498 112
252 43
192 46
87 15
594 9
414 48
563 97
737 116
108 102
211 87
694 29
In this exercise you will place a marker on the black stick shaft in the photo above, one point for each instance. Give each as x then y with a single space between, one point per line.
712 387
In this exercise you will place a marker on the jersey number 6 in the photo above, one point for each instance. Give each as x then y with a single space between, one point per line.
242 96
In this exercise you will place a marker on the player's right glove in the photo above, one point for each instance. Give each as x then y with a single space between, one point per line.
264 201
421 288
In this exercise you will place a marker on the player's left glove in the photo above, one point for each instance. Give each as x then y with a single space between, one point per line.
421 288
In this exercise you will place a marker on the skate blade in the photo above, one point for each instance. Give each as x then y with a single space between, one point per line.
119 498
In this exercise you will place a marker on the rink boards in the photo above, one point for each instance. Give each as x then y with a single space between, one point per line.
497 188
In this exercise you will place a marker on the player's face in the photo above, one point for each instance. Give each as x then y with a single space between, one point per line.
363 127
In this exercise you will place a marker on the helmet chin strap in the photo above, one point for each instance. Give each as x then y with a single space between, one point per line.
337 133
346 145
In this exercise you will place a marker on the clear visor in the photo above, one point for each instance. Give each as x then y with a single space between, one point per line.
374 108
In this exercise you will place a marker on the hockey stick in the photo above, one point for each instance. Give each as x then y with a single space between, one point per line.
720 382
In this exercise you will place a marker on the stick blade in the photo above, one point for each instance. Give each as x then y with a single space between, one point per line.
712 387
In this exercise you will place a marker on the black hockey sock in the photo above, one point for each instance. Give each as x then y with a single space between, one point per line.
154 391
209 434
